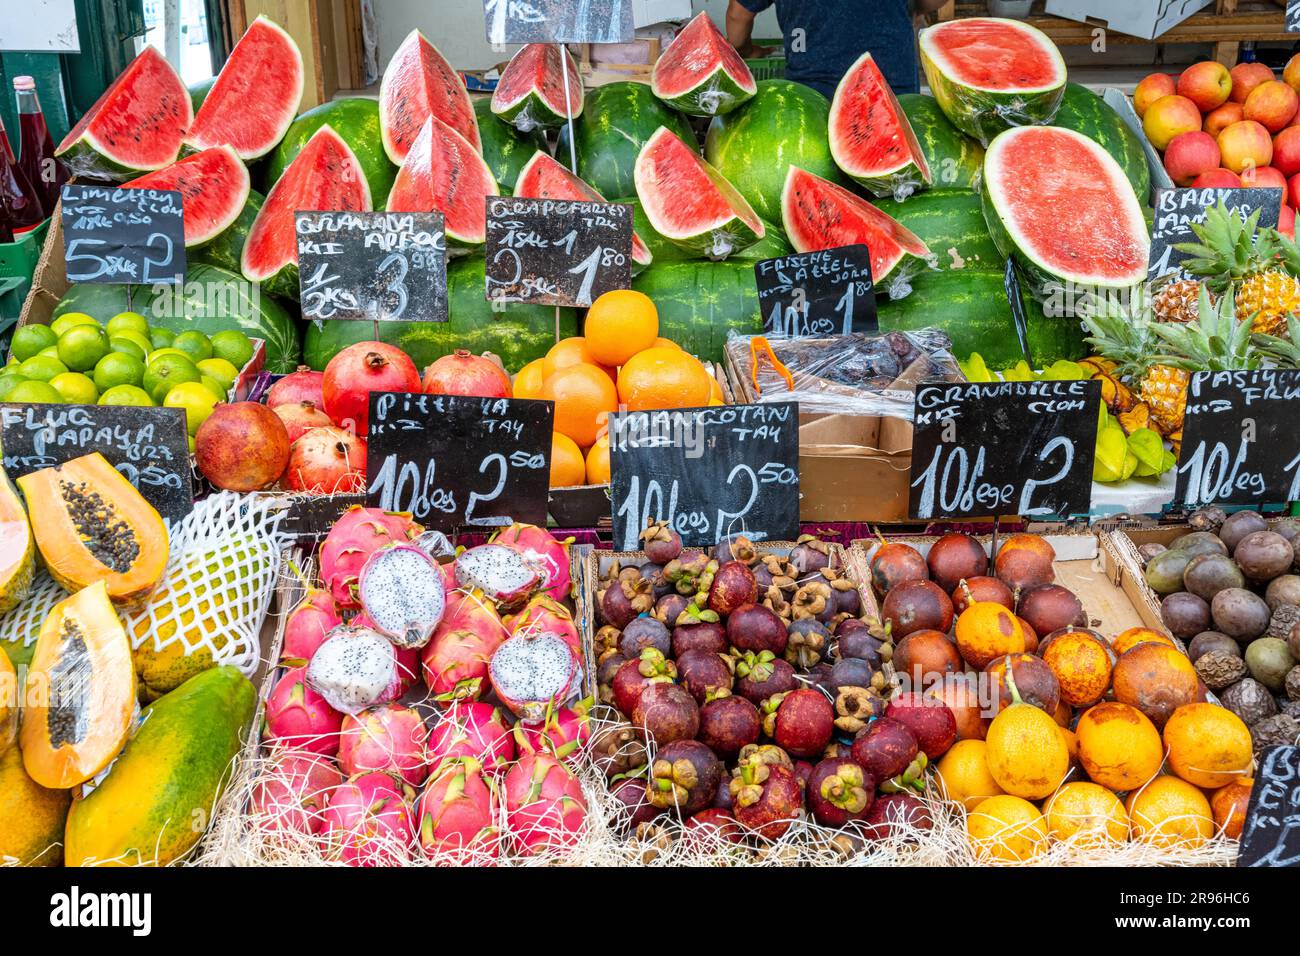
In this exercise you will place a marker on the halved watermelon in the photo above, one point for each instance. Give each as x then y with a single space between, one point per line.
419 83
989 74
871 137
136 125
689 202
444 173
543 178
256 95
1062 206
325 175
700 73
356 119
821 215
214 187
530 93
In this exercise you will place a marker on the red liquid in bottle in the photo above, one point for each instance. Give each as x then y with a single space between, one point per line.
36 153
20 207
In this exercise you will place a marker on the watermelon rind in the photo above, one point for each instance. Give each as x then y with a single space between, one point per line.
521 99
439 148
199 92
700 303
700 73
356 119
1085 112
404 106
773 244
983 111
951 224
955 159
862 112
505 149
214 187
227 249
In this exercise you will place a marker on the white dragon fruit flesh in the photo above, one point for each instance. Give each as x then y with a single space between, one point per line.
354 669
401 589
534 674
501 573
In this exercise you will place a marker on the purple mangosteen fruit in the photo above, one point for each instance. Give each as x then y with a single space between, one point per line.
752 627
760 675
665 713
801 722
684 777
839 790
636 675
704 674
728 724
645 632
733 586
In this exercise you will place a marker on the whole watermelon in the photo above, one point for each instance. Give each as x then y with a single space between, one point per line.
1085 112
954 158
700 302
784 124
226 249
951 223
356 120
505 149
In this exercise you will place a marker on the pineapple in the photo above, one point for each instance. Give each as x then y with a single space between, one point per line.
1176 302
1127 342
1283 351
1216 342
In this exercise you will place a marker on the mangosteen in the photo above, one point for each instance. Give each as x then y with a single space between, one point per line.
684 776
810 554
819 676
765 793
924 654
1284 589
1185 614
814 599
855 706
631 793
1199 542
929 719
736 547
858 642
1209 518
733 587
1250 700
892 564
981 588
712 826
644 632
659 583
1263 555
691 573
1240 614
610 662
802 771
636 675
722 800
839 790
1238 525
1269 660
1209 642
1050 607
762 674
801 722
848 600
808 642
665 713
886 749
1220 669
1208 574
775 571
849 672
625 598
670 607
703 636
617 750
1035 682
916 606
1164 572
704 674
728 723
892 812
1149 551
752 627
660 543
955 557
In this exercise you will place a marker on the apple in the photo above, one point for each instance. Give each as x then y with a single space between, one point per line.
1272 104
1220 118
1151 88
1244 145
1207 84
1169 116
1245 77
1189 155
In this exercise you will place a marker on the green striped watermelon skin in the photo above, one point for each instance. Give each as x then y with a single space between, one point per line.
954 158
505 149
774 243
951 223
785 124
1085 112
225 249
356 120
700 302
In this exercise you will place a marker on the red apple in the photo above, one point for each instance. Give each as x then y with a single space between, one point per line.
1286 151
1207 84
1293 191
1217 179
1169 116
1189 155
1244 145
1286 222
1245 77
1217 120
1150 89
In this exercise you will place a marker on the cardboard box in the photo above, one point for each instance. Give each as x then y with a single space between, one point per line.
1144 18
854 468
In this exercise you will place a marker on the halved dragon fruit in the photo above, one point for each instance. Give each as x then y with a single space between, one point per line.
353 669
356 535
543 550
535 673
531 92
307 626
503 574
401 590
541 614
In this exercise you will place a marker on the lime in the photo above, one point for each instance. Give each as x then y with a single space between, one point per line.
82 346
118 368
213 386
159 353
165 372
233 346
127 321
69 319
42 368
26 392
197 401
161 338
8 379
30 339
52 351
126 395
128 347
194 344
139 338
76 389
221 370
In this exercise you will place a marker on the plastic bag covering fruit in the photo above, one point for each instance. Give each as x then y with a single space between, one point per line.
17 548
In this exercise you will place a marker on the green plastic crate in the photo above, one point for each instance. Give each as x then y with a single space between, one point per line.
768 67
17 264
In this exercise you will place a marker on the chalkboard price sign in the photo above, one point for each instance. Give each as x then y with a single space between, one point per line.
1271 834
147 445
123 236
556 252
708 472
455 461
821 293
1293 16
1002 448
1177 210
559 21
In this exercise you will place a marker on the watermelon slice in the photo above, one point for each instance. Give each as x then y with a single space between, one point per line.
990 74
214 187
700 73
544 178
256 95
690 203
136 125
419 83
325 175
871 138
444 173
530 94
821 215
1062 206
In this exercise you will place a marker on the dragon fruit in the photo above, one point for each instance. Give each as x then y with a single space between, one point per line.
503 574
534 673
456 660
388 737
407 671
565 732
402 592
456 817
541 550
354 669
307 626
368 821
292 790
544 613
471 729
545 807
299 717
358 534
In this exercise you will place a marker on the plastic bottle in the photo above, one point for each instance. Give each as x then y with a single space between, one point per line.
20 207
36 153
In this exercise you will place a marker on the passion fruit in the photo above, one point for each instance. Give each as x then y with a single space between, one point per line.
1050 607
1238 525
969 591
963 772
1263 555
1241 614
1208 574
1138 635
1081 660
1025 560
1211 642
1119 747
1284 589
893 564
1199 542
1208 745
924 655
1006 829
986 631
1185 614
954 557
916 606
1033 679
1156 679
1086 814
1164 572
1228 804
961 693
1170 813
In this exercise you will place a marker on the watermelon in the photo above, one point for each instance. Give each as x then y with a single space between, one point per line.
444 173
135 126
211 299
419 83
1062 206
817 214
213 185
517 333
701 302
870 136
544 178
773 243
505 149
954 158
531 92
616 121
255 96
951 224
227 250
700 72
689 202
354 118
324 175
1085 112
785 124
989 74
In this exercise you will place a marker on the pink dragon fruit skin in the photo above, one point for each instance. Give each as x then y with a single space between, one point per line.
389 737
293 789
358 534
545 808
543 613
299 717
403 592
471 729
501 573
457 816
534 673
564 733
368 821
407 671
542 551
307 625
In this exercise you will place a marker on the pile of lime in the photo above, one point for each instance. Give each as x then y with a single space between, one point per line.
77 360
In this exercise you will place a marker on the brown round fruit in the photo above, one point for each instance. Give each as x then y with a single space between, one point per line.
981 588
1156 679
954 557
1185 614
1263 555
892 564
1025 560
1050 607
916 606
1239 524
242 446
961 693
924 654
1034 681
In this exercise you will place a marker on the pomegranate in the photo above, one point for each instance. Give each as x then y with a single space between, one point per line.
358 370
302 385
241 446
300 417
325 461
463 373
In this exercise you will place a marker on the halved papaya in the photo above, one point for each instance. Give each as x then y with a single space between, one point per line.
31 816
80 695
17 551
92 525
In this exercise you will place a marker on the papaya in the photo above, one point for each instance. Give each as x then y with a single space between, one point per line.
92 525
80 693
8 703
20 627
31 816
17 548
156 801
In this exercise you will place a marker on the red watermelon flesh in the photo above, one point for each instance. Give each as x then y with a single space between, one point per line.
870 135
701 73
993 54
256 96
213 185
821 215
530 93
136 125
419 83
444 173
325 175
544 178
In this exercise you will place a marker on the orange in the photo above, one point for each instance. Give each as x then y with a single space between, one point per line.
598 462
1209 746
583 396
715 391
1229 807
964 773
1086 813
663 378
567 465
663 343
1006 829
619 324
1125 640
528 383
1119 747
1169 812
570 351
